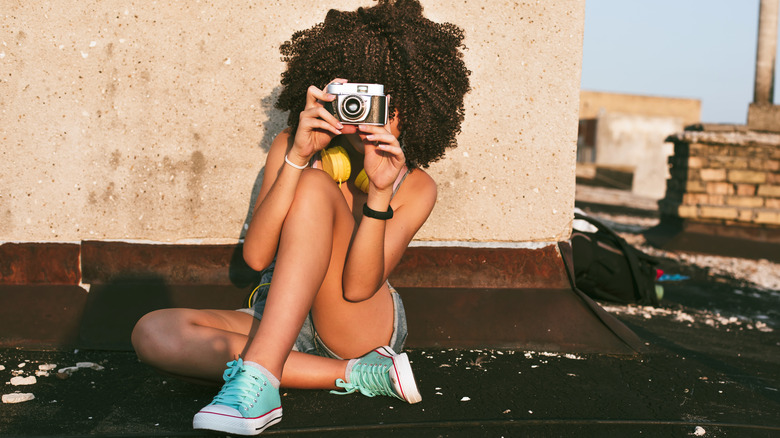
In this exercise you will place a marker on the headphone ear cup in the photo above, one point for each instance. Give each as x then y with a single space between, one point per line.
361 181
335 161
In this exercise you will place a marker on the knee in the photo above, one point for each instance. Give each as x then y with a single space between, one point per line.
152 338
316 193
315 185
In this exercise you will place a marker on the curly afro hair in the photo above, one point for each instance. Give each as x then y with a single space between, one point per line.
419 62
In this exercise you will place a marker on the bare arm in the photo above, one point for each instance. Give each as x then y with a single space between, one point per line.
315 130
272 204
378 245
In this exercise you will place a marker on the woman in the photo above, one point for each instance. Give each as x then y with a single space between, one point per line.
328 319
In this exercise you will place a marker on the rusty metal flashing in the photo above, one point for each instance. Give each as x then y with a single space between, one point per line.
476 297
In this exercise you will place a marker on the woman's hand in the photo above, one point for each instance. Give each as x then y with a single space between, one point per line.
316 126
384 157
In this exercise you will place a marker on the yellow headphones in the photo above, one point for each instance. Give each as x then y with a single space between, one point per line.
335 161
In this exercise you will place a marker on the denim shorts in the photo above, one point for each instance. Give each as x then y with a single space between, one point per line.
308 340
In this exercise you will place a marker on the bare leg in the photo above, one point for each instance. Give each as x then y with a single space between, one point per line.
307 277
196 344
310 260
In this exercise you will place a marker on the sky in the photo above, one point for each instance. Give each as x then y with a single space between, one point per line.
700 49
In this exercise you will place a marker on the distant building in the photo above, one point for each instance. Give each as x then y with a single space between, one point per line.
622 139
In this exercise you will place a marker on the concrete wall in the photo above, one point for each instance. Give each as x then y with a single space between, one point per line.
639 142
151 120
594 102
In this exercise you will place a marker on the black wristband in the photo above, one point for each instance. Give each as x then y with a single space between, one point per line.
381 215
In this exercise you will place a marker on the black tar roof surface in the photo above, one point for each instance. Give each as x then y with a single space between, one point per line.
710 368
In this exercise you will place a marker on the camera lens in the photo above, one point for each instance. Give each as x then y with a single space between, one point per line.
352 107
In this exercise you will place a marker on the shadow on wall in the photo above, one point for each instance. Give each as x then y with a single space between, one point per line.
112 309
275 122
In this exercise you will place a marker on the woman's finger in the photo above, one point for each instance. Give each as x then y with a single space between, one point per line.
395 151
319 113
336 81
373 129
328 117
382 138
314 95
377 134
320 124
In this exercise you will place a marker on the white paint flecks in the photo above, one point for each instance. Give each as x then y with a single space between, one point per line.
17 397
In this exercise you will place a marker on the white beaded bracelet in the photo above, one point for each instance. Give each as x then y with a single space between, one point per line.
287 160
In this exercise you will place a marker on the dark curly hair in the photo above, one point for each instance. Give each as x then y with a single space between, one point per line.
419 62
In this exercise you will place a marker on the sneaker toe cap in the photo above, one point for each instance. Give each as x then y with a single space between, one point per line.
220 410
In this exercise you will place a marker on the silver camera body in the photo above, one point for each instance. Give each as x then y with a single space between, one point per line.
357 104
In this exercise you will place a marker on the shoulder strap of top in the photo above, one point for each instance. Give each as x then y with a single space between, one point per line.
316 161
400 179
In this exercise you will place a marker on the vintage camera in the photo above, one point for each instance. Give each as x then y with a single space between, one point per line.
358 103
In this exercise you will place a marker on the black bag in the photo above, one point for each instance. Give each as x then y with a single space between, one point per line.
607 268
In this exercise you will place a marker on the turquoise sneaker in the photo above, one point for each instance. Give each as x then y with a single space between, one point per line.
247 404
381 372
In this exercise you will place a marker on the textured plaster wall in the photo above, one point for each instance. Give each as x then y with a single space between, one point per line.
151 120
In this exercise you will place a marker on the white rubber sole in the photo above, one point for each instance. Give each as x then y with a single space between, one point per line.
405 378
236 425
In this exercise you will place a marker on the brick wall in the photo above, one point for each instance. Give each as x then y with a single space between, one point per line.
725 175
